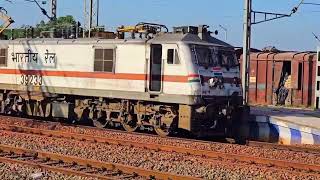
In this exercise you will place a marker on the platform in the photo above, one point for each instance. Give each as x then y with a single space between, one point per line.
294 117
283 126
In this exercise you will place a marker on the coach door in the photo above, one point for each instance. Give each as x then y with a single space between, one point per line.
155 68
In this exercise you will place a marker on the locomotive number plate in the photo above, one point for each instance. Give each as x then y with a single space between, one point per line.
35 80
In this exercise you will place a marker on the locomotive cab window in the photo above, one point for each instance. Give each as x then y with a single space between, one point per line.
104 60
3 57
173 56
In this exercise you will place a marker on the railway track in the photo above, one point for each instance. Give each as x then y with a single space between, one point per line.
253 156
77 166
249 143
304 168
284 147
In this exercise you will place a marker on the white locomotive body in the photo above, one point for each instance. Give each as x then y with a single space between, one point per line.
172 81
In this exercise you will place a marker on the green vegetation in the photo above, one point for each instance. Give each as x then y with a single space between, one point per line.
62 23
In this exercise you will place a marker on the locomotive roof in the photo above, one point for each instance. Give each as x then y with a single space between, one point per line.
160 38
188 38
70 41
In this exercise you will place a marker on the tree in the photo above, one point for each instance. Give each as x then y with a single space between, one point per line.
62 23
65 21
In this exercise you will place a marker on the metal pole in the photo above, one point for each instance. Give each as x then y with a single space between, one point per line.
317 90
26 31
90 17
246 51
85 18
98 6
54 9
12 34
77 31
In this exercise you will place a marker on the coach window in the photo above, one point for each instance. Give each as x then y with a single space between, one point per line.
3 57
103 60
173 56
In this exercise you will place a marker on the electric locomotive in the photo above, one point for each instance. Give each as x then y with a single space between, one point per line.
155 80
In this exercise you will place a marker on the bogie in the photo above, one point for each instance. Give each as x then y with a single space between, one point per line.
100 113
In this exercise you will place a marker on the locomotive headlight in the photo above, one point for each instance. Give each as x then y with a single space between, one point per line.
216 82
236 81
212 82
221 83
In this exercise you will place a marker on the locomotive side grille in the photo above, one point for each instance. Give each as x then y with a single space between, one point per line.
104 60
3 57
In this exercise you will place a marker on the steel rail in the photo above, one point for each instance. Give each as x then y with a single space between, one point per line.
158 147
125 171
228 140
294 148
107 130
51 168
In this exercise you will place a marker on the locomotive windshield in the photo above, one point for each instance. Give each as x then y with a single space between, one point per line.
213 56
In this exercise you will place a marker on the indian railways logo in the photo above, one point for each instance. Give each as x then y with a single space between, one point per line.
31 57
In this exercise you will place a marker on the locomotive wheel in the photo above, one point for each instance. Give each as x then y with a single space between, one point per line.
129 123
162 131
100 121
163 126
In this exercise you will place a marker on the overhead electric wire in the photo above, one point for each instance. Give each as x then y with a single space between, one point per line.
44 12
315 4
316 36
295 9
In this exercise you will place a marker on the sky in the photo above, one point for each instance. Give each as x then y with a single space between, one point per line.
294 33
